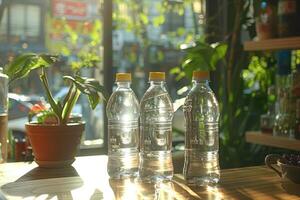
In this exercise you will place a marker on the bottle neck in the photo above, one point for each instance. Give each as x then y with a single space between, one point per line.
157 83
201 82
123 84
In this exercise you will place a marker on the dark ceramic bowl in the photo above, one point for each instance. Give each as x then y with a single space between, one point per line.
285 171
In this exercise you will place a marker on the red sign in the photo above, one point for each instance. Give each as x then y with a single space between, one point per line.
70 9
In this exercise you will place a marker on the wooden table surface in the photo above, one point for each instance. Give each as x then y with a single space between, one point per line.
87 179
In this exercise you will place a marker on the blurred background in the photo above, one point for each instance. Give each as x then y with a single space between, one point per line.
139 36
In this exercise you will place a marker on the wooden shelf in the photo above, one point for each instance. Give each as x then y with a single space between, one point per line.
273 141
273 44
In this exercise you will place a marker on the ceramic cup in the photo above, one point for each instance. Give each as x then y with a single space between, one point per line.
285 171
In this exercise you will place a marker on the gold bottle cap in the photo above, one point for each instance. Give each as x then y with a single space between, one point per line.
157 76
123 77
200 75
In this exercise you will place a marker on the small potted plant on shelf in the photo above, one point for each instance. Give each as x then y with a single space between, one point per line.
55 136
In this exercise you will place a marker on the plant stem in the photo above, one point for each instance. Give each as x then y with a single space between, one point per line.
234 43
232 57
69 102
54 105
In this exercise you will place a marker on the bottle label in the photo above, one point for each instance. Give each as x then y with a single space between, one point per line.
200 133
156 137
123 136
203 135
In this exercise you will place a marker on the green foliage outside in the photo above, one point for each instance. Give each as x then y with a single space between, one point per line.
133 17
84 48
242 78
242 82
199 56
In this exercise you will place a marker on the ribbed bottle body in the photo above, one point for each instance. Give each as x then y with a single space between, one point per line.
156 134
201 113
123 133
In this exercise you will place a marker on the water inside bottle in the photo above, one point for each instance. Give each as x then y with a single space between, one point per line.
156 135
124 156
201 112
123 132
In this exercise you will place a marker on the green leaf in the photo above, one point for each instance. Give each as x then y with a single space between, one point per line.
85 59
48 58
180 76
21 66
186 62
160 56
159 20
89 87
219 53
181 31
14 66
180 11
175 70
221 50
144 18
198 47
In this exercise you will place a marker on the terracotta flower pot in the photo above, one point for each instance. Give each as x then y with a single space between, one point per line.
54 145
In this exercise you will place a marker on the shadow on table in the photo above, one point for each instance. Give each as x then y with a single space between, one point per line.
237 186
201 192
127 189
291 188
32 183
46 173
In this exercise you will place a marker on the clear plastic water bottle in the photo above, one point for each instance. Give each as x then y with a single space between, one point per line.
123 130
201 111
285 118
156 131
3 115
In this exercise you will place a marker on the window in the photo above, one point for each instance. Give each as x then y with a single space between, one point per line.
25 22
71 29
146 35
174 21
146 38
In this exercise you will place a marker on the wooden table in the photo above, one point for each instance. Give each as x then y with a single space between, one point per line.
87 179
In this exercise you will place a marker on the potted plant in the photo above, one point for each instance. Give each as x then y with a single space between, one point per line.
54 137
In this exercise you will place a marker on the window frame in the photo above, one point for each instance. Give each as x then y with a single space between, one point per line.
42 7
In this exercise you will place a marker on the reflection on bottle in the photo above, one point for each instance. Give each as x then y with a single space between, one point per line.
129 189
210 192
156 191
164 190
124 189
285 114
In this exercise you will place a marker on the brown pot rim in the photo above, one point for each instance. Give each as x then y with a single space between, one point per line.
33 128
72 124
